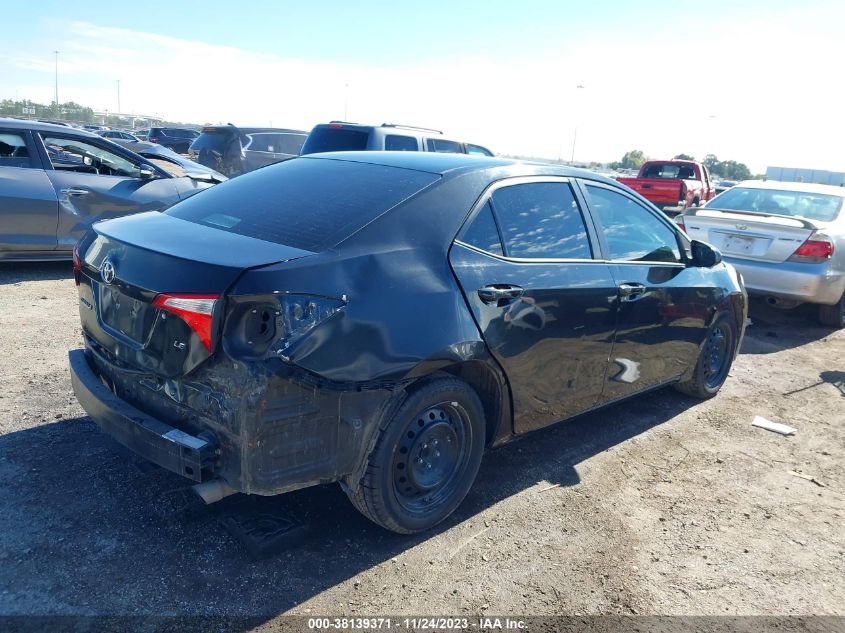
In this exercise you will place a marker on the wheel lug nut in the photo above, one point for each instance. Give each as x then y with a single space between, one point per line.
437 453
428 465
425 445
419 460
434 442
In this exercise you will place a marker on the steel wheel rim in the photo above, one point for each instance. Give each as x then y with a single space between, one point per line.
717 355
430 456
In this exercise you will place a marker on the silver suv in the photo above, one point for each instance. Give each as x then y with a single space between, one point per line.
340 136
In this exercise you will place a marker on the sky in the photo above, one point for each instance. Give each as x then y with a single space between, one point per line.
758 81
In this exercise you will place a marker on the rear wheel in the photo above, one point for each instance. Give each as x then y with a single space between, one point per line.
426 459
714 361
833 316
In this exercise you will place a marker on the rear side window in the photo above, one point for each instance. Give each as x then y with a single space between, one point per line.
335 139
441 145
263 142
399 143
477 150
310 204
291 143
482 232
213 140
13 151
631 231
541 220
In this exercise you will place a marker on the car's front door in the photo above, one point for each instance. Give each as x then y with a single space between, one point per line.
665 306
544 306
93 182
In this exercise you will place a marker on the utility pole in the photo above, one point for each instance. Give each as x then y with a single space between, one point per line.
118 97
56 94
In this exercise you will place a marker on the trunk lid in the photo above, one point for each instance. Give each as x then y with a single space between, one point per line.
745 235
126 263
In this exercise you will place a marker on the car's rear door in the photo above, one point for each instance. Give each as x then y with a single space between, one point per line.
545 307
28 204
665 306
93 182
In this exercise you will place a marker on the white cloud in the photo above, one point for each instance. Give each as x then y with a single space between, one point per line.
763 92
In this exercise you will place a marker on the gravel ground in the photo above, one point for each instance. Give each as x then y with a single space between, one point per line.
660 505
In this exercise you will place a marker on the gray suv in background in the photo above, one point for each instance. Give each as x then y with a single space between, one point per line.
340 136
232 151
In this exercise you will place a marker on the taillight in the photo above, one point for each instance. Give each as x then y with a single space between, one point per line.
195 310
683 198
77 263
152 139
813 251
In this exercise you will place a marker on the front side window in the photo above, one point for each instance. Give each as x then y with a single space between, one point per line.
13 151
400 143
262 142
290 143
482 232
70 154
541 220
443 146
631 231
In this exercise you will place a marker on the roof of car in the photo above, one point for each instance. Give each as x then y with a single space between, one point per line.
443 163
804 187
251 130
25 124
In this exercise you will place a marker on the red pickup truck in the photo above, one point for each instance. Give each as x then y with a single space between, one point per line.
672 185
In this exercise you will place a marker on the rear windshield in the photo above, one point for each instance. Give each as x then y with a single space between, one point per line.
212 140
669 171
812 206
335 139
311 204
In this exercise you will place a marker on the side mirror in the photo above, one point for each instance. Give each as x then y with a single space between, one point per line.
704 255
147 173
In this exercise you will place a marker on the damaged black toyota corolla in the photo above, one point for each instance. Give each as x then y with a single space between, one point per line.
379 319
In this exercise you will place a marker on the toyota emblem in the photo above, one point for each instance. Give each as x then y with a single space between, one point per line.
107 271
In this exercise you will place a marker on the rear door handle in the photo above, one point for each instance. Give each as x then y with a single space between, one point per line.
498 293
631 292
73 192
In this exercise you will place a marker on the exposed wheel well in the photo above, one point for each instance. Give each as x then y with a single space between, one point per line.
493 394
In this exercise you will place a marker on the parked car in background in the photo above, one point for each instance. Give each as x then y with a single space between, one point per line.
55 182
116 134
176 138
93 127
673 185
141 135
234 150
723 185
339 136
277 332
786 238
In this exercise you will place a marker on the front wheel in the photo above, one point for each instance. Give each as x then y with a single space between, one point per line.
714 361
833 316
426 459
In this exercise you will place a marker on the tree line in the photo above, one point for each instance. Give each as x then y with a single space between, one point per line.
727 169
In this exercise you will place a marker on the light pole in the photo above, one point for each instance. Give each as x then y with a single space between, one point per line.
575 132
118 97
56 94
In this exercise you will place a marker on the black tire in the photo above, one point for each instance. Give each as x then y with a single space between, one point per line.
714 361
426 458
833 316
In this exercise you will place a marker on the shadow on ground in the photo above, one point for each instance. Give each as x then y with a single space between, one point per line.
16 272
774 329
82 531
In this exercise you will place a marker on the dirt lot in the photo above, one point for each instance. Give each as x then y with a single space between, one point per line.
661 505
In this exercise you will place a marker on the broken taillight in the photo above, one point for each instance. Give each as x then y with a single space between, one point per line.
77 264
194 309
813 251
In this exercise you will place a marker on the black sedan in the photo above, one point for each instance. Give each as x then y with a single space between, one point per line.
381 319
56 181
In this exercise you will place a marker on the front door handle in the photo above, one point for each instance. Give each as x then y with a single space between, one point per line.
631 292
73 192
500 294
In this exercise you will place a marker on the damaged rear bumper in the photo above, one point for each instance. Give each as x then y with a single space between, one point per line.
179 452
